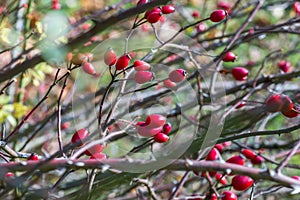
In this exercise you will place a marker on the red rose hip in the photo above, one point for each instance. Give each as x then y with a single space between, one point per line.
110 57
241 183
177 75
123 62
229 57
239 73
155 120
274 103
167 9
141 77
161 137
79 135
228 195
217 15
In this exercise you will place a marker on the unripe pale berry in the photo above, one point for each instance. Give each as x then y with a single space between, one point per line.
213 154
217 15
79 135
238 160
241 183
123 62
89 68
155 120
201 27
228 195
177 75
167 9
167 128
169 84
161 137
94 149
110 57
274 103
140 65
239 73
284 65
33 157
248 153
141 77
229 57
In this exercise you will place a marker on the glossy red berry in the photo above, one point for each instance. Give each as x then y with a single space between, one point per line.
167 128
213 197
284 65
257 160
110 57
221 179
229 57
248 153
169 84
241 183
94 150
146 131
140 65
167 9
220 147
296 178
141 2
98 156
274 103
33 157
79 135
213 154
153 15
123 62
225 6
240 104
161 137
217 15
238 160
195 14
56 5
177 75
228 195
9 174
65 125
296 7
89 68
288 107
155 120
239 73
141 77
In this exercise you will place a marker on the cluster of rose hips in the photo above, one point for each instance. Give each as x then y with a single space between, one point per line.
56 5
238 182
155 126
283 104
142 74
95 151
238 73
155 14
